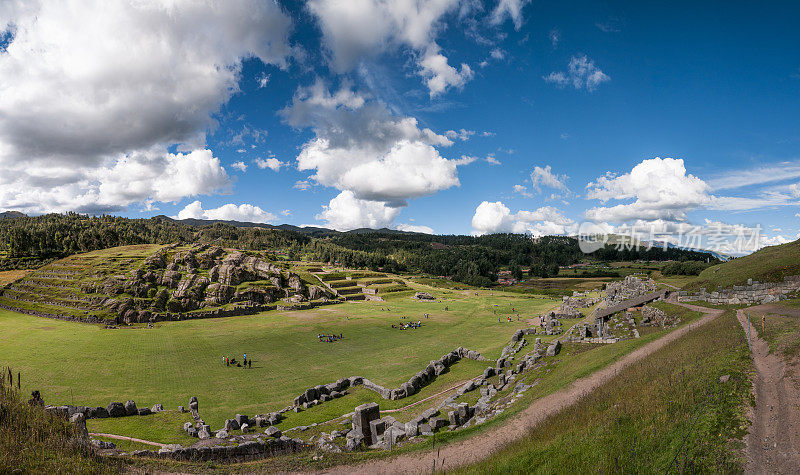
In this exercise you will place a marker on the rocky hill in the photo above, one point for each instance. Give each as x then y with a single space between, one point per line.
135 284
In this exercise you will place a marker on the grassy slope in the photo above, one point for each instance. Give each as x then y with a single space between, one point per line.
89 365
770 264
32 441
638 421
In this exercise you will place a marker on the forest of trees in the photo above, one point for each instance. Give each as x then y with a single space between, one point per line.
474 260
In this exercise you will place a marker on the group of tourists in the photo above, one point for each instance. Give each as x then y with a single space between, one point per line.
245 363
323 338
408 325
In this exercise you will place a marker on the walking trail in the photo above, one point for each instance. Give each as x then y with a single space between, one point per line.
474 449
122 437
773 442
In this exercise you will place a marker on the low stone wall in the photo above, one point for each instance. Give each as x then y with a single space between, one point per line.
753 293
69 318
244 451
216 313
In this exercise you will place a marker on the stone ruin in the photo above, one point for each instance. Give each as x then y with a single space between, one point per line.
201 277
628 288
578 300
552 325
652 316
751 294
423 296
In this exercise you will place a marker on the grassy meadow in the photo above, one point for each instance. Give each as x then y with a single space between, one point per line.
73 363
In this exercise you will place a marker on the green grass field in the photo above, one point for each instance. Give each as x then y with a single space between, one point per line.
667 413
72 363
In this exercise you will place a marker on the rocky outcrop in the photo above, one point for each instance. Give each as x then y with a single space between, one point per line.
184 272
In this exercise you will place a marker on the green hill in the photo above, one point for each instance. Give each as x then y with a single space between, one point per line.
770 264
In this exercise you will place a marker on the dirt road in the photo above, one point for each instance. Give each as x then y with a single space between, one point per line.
773 443
476 448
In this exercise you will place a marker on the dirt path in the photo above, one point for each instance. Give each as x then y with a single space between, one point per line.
122 437
773 443
476 448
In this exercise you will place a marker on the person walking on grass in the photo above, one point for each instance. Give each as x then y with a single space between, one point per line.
250 364
245 358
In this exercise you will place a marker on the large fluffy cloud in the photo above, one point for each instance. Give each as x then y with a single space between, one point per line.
496 217
346 212
354 30
363 149
88 98
228 212
660 189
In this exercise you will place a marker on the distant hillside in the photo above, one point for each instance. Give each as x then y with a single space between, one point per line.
12 214
310 230
770 264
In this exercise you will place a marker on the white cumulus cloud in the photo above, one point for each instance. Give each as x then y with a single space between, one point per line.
354 31
228 212
659 189
362 148
581 74
346 212
85 101
272 163
508 9
496 217
544 177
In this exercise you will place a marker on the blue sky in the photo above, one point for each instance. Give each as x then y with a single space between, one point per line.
444 116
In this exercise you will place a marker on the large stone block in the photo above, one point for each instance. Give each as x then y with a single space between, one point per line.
376 429
362 417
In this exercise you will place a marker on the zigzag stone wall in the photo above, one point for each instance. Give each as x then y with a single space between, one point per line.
753 293
322 393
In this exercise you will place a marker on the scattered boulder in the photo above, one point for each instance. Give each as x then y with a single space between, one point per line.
116 409
204 432
424 296
231 425
130 408
554 348
273 431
